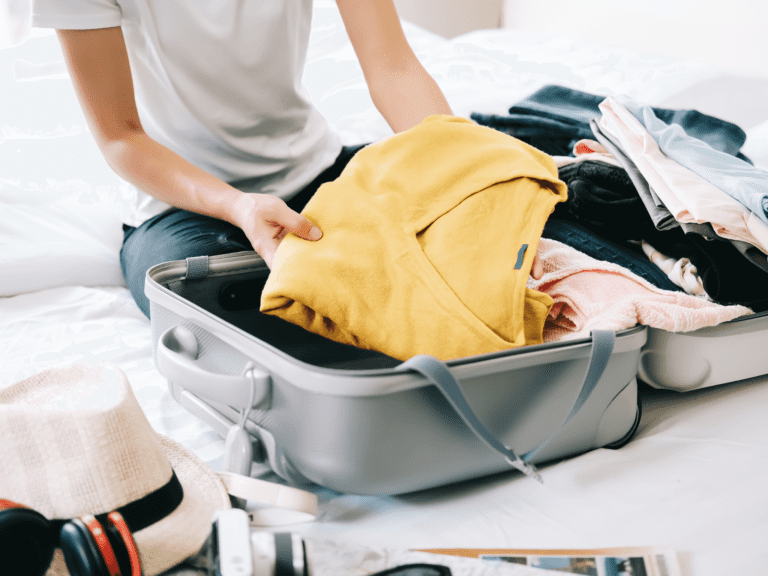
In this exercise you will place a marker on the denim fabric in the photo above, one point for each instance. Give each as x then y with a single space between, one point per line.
554 137
599 248
178 234
554 118
603 198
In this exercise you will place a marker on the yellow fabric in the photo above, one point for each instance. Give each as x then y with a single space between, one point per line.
421 234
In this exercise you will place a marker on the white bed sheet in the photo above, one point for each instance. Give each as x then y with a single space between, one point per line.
694 477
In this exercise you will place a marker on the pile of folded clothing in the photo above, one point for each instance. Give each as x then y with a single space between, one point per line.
433 248
664 193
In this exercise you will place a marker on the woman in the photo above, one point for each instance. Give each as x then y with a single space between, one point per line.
200 107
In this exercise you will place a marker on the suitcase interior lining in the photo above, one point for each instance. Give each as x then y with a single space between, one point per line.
235 298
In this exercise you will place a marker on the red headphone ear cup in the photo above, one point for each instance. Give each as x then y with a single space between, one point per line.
118 525
26 542
80 551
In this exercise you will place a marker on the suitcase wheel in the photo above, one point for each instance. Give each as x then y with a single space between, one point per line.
623 441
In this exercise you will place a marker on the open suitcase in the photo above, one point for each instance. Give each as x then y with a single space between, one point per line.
728 352
361 422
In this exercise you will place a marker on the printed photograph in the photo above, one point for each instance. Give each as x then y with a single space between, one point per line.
577 565
585 565
625 567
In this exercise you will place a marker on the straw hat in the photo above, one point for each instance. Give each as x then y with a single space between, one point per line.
75 441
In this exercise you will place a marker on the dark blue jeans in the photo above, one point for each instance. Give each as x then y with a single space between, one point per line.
178 234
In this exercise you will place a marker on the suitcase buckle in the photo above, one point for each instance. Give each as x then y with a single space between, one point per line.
528 469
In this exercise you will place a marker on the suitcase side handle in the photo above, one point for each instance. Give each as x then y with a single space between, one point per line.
438 374
177 351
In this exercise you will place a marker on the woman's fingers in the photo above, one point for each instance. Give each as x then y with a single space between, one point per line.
290 221
266 220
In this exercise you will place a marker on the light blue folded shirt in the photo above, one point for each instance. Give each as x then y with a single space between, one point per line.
735 177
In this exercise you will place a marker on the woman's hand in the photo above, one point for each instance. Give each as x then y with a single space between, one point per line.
266 220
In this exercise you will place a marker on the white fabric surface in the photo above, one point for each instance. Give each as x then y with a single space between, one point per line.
693 478
61 234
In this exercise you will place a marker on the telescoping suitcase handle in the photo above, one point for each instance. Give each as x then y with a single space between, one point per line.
438 374
177 350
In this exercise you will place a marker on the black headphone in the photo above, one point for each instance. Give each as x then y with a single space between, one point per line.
92 545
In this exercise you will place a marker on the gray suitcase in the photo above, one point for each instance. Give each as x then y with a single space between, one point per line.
685 361
361 422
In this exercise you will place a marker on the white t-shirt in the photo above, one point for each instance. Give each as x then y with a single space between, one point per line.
219 83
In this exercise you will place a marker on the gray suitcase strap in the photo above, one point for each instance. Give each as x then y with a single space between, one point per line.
438 374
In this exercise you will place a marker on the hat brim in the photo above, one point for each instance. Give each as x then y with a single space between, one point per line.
182 533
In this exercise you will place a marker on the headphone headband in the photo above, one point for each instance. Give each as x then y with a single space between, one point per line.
142 512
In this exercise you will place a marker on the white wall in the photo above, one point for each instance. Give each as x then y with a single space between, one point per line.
450 18
732 34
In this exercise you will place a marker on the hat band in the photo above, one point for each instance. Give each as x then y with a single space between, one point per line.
142 512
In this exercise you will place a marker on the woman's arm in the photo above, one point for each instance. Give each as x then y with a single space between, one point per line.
402 90
98 65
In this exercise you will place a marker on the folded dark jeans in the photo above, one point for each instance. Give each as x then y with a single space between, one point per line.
552 136
544 118
603 198
585 240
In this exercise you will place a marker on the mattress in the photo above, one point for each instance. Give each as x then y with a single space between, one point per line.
692 479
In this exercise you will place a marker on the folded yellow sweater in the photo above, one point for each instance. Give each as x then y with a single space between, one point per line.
428 241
